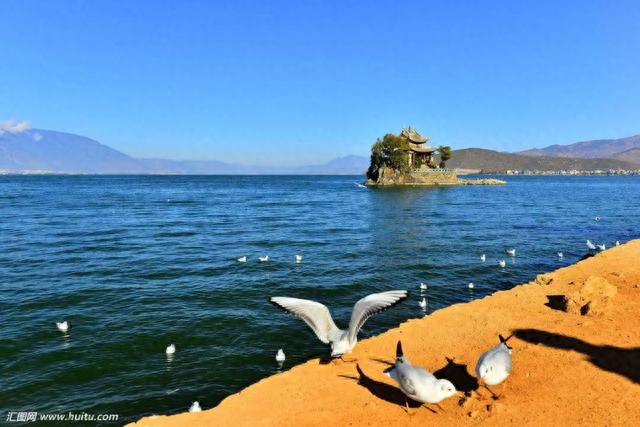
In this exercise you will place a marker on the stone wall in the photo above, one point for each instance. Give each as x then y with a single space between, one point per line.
388 176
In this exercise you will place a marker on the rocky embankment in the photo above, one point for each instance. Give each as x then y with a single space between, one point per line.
576 361
390 177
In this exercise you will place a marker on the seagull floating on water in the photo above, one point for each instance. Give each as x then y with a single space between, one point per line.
483 257
596 218
494 366
319 319
423 303
471 286
590 245
298 259
62 326
242 259
418 383
423 286
171 349
280 357
263 258
502 263
601 247
357 184
560 255
511 252
195 407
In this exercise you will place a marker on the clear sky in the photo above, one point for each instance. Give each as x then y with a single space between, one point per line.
292 82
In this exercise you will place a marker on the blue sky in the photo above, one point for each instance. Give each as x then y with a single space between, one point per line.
276 82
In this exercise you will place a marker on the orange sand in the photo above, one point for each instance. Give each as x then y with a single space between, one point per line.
569 369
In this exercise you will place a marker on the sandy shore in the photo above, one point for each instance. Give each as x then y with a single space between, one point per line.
576 361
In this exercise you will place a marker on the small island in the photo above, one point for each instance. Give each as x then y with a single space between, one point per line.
408 159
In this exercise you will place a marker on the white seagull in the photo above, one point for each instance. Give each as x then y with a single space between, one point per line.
471 286
242 259
62 326
483 257
195 407
319 319
417 383
617 243
423 286
502 263
511 252
263 258
494 366
591 246
560 255
423 303
280 357
601 247
171 349
298 259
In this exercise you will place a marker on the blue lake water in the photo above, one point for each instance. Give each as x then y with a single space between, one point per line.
136 263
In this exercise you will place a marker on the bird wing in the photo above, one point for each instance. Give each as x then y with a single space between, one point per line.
313 313
370 305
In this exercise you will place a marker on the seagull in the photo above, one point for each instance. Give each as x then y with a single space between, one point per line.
591 246
502 263
242 259
263 258
494 366
195 407
596 218
171 349
617 243
357 184
483 257
62 326
423 304
423 286
298 259
319 319
601 247
470 285
280 357
560 255
511 252
417 383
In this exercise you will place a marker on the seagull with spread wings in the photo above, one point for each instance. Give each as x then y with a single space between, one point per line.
319 319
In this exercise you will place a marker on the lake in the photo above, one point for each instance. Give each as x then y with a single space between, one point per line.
135 263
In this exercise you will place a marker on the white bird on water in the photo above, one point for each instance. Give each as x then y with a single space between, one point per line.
171 349
494 366
591 246
357 184
423 303
560 255
319 319
601 247
471 286
195 407
617 243
62 326
263 258
298 259
423 286
511 252
483 257
502 263
418 383
242 259
280 357
596 218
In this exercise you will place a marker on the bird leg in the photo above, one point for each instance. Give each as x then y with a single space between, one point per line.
406 406
493 395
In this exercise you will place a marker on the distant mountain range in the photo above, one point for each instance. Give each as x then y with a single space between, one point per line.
47 151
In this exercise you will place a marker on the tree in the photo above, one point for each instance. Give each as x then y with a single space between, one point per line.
445 154
391 151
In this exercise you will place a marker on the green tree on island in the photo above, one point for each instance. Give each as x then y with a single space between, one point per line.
390 151
445 154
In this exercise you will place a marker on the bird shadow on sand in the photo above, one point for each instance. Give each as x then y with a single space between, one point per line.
382 390
458 374
621 361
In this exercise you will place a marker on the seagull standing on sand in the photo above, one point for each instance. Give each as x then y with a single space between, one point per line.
298 259
171 349
242 259
195 407
591 246
280 357
511 252
263 258
494 366
417 383
62 326
483 257
319 319
502 263
617 243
